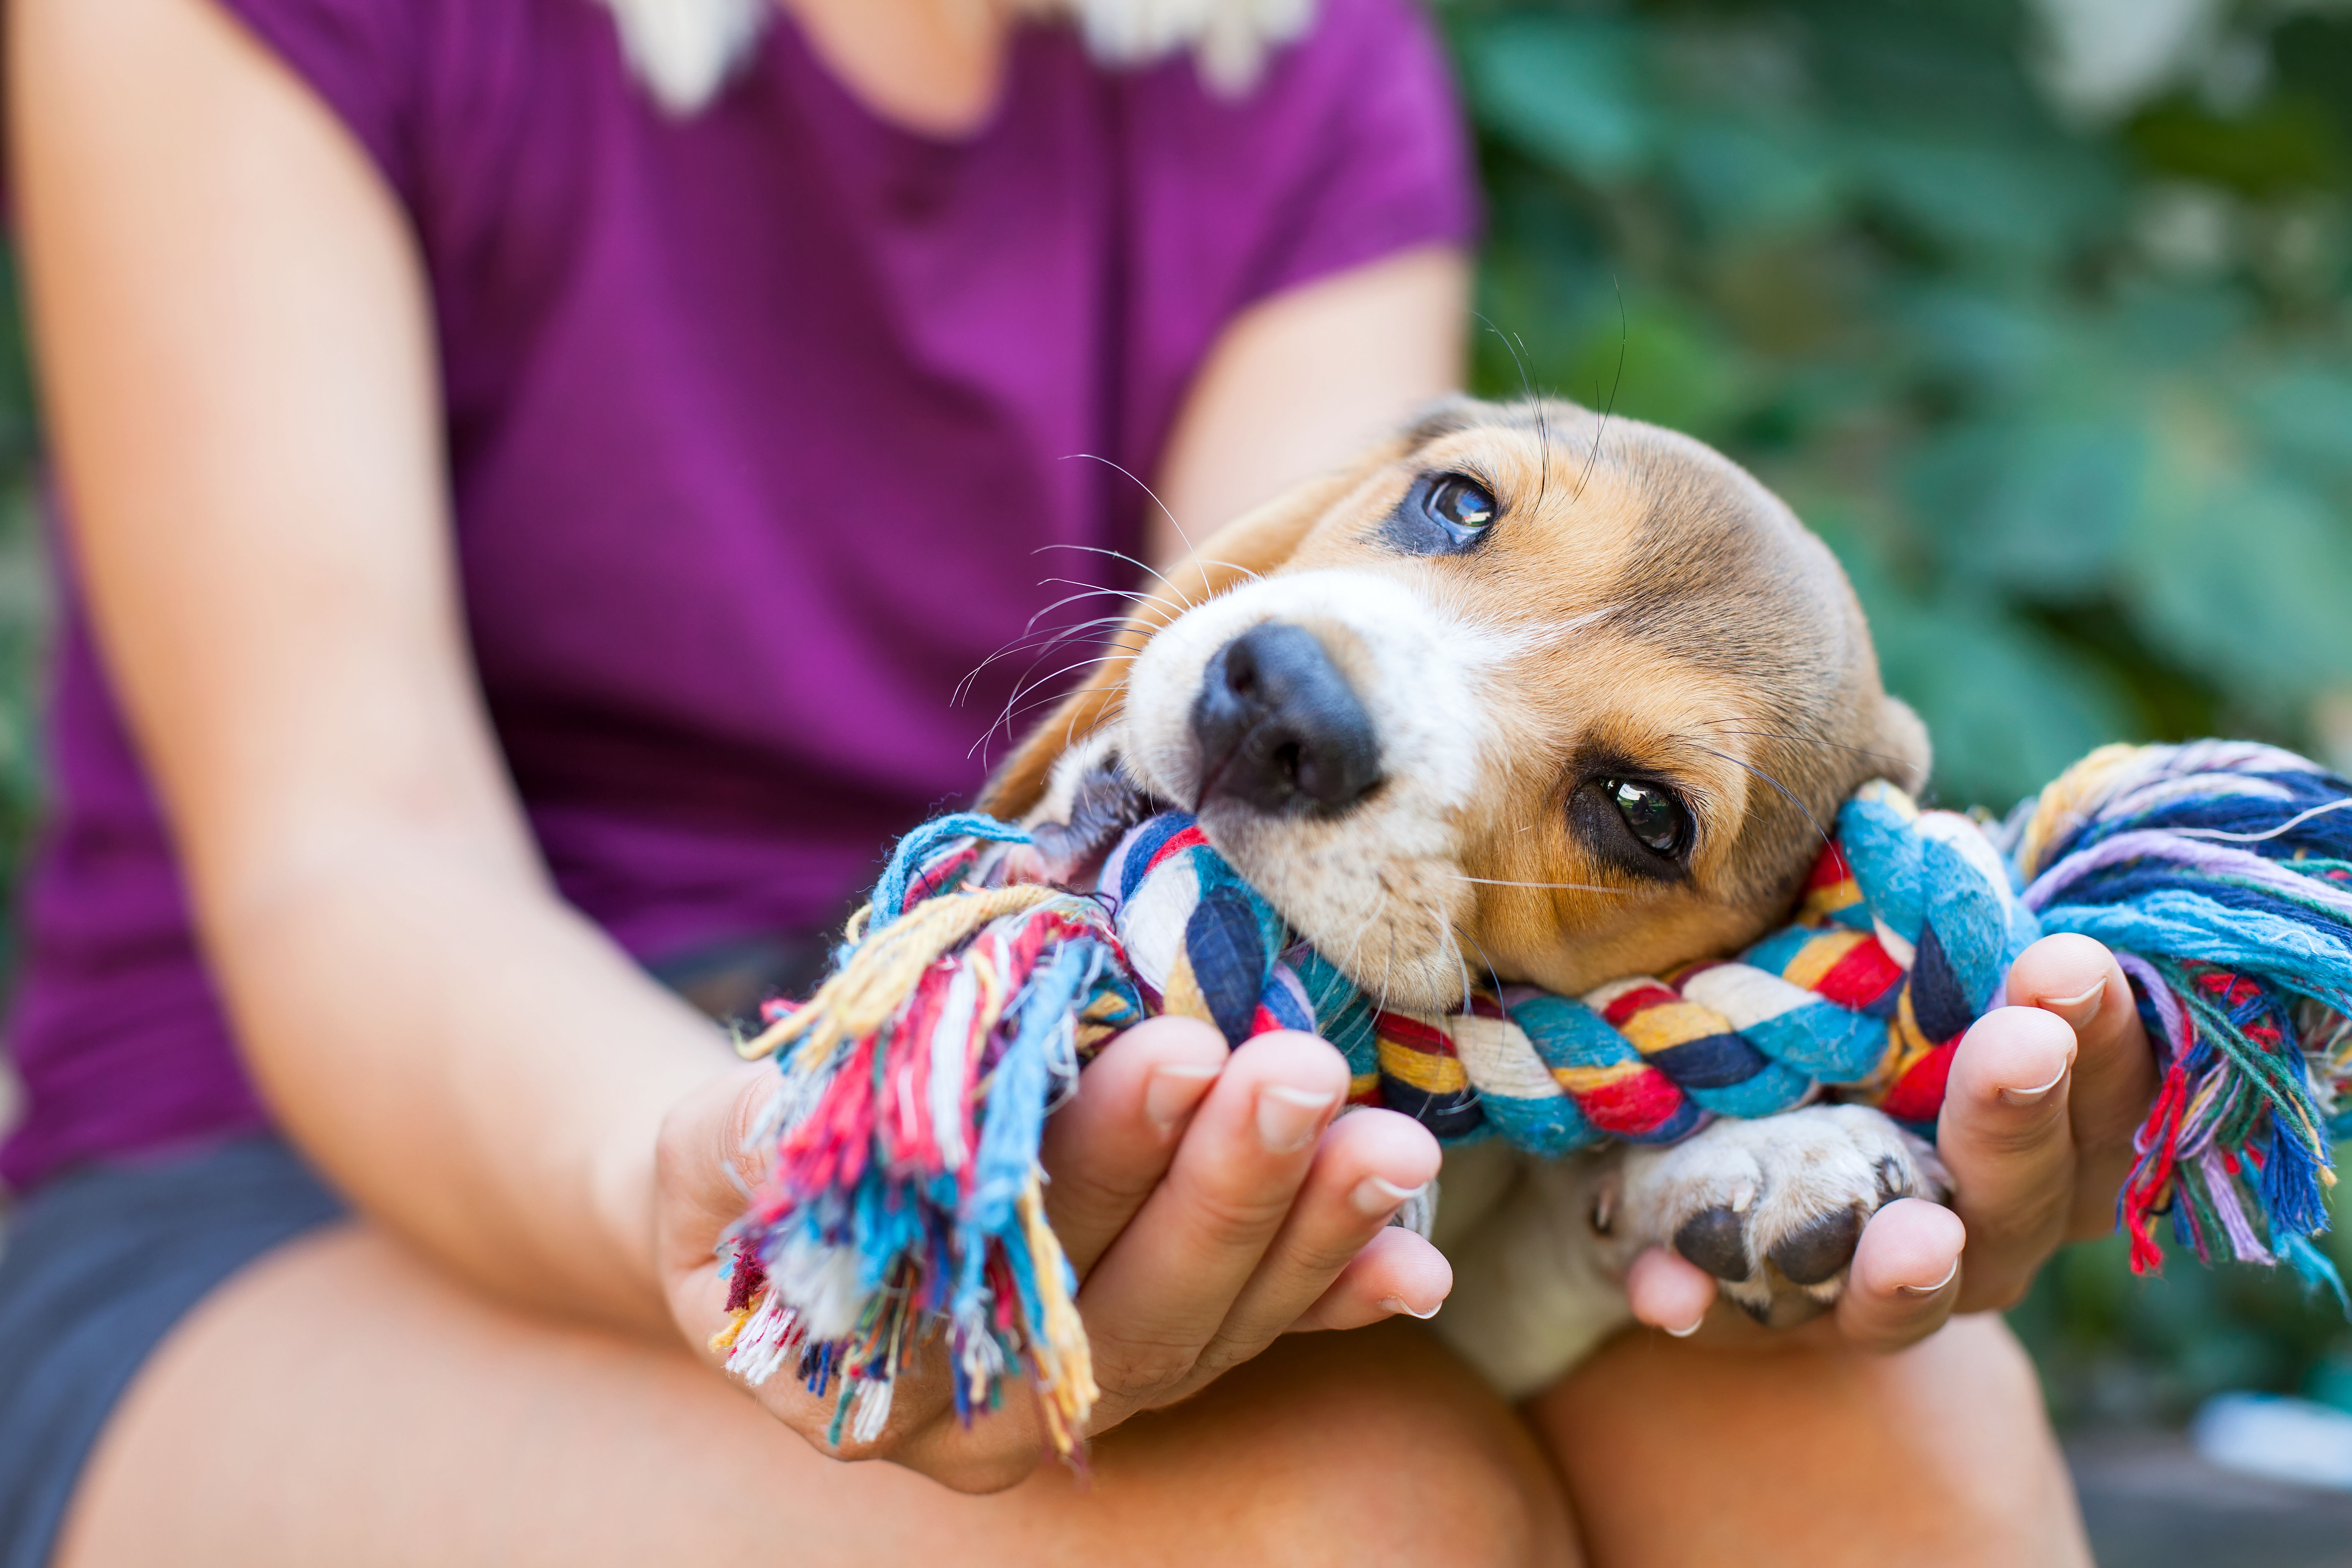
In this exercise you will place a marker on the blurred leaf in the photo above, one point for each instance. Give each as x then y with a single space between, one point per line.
2286 142
2177 328
1994 345
1975 194
1746 175
2038 506
2312 56
2254 579
2304 413
1567 90
2008 709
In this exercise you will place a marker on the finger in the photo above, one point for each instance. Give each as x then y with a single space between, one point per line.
703 1162
1109 1147
1395 1273
1667 1292
1905 1276
1366 1167
2114 1078
2005 1137
1167 1282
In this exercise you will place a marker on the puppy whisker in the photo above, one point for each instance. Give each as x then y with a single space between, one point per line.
1004 721
1043 641
1448 945
1515 346
1567 887
1085 591
1023 685
1786 791
1623 332
1135 596
1146 490
1554 631
1014 706
1189 601
1809 741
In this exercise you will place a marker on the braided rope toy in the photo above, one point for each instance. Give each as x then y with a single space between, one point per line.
904 1196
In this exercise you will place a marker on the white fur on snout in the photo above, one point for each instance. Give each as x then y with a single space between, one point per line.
1377 889
1780 1174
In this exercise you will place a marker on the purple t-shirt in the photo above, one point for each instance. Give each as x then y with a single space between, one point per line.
757 422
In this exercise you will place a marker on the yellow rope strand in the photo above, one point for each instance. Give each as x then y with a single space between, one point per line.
882 974
1063 1354
2059 808
724 1339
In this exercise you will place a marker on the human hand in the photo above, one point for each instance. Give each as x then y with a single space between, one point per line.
1209 1202
2036 1130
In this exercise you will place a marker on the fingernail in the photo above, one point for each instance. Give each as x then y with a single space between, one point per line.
2076 1010
1173 1089
1397 1304
1288 1119
1378 1199
1931 1289
1688 1330
2033 1096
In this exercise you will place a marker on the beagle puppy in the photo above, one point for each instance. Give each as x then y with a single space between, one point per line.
1528 695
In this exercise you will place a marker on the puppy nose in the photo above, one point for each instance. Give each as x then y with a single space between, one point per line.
1279 728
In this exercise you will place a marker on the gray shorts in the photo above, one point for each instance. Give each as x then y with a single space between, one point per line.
94 1268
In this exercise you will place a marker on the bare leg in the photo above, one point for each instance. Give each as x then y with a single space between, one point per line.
340 1403
1938 1455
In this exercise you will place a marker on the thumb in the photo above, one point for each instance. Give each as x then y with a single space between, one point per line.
704 1168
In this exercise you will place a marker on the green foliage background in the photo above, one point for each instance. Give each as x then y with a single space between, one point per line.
2071 397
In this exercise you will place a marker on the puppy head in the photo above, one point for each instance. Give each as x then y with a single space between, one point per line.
1530 694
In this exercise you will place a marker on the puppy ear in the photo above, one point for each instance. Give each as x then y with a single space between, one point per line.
1445 415
1252 545
1903 740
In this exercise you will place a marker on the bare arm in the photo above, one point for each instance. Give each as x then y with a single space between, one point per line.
234 333
1305 381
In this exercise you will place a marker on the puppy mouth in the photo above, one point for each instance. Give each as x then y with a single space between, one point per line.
1278 731
1103 806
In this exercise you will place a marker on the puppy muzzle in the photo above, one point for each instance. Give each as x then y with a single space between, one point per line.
1279 728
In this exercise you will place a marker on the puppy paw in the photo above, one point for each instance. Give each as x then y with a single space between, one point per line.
1773 1207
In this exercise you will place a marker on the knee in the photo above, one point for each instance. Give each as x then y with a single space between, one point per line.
1420 1492
1370 1446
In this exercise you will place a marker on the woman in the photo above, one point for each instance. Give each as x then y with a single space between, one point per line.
527 535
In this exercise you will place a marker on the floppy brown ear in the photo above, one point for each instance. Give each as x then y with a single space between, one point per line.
1251 545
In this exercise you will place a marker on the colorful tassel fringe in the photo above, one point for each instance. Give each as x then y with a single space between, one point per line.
905 1199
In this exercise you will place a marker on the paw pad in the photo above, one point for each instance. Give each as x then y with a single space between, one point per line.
1818 1251
1717 1240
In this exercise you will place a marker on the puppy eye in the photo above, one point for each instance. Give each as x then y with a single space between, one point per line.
1652 815
1443 515
1462 503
